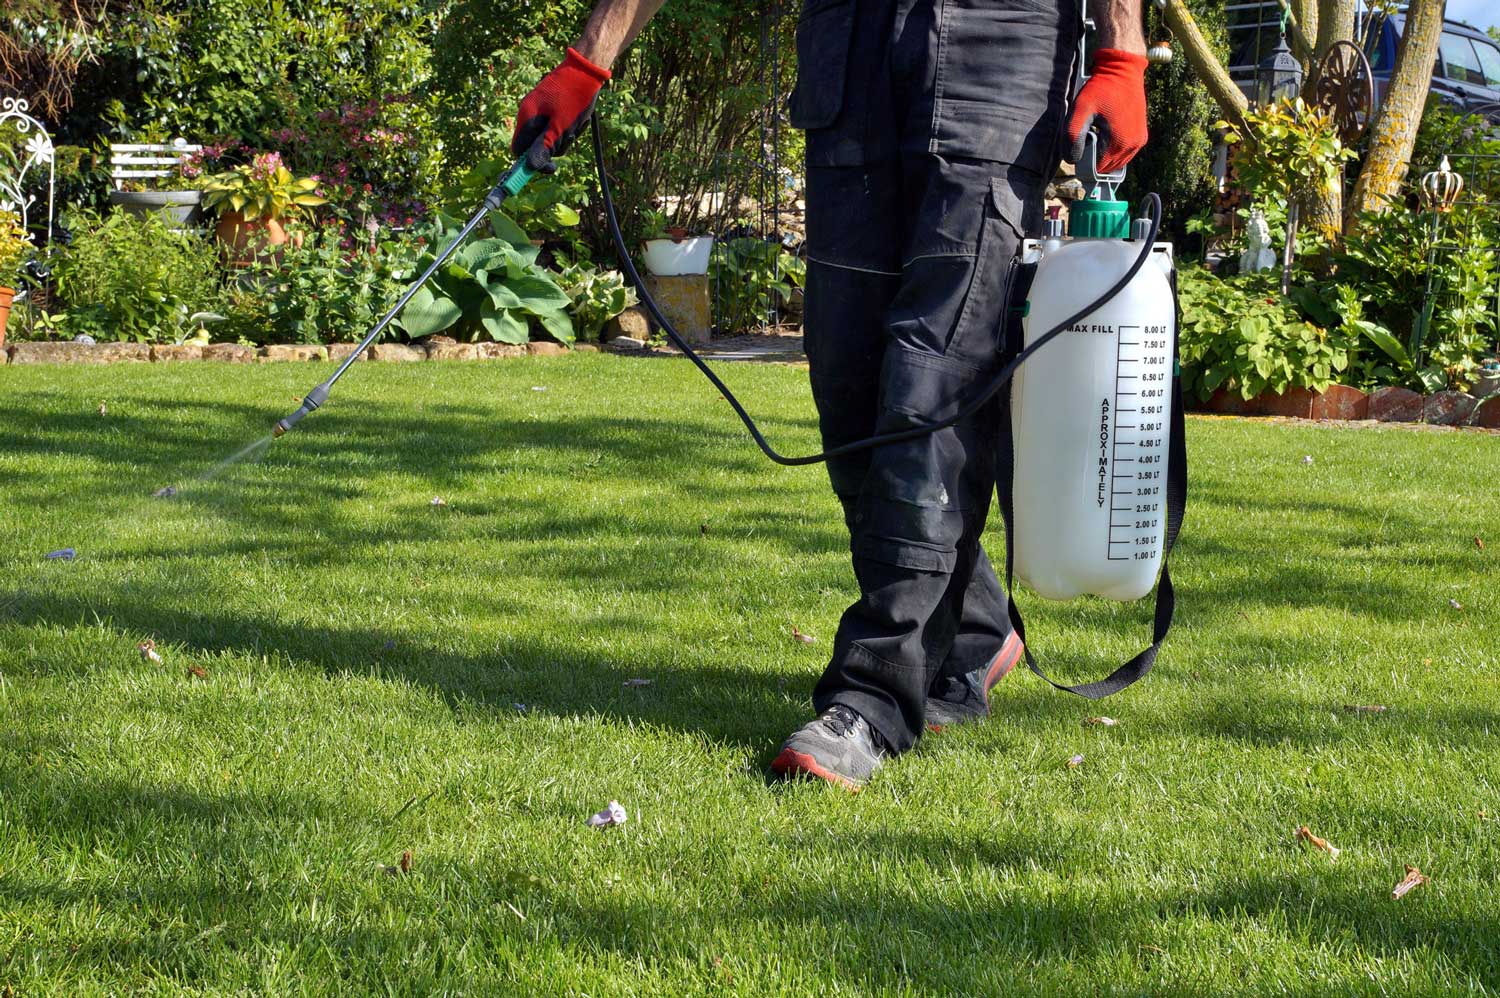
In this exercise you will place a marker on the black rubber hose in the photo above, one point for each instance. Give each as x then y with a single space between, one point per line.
970 408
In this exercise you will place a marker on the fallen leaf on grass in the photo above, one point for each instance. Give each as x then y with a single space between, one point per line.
148 651
1306 835
197 672
630 683
166 492
1414 878
62 554
438 501
1478 542
403 865
1103 722
1366 708
103 409
797 635
612 815
1075 761
1455 604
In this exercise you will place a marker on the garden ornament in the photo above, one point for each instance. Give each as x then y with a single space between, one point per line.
1258 254
1346 89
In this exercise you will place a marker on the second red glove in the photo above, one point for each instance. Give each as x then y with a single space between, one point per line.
1113 101
555 111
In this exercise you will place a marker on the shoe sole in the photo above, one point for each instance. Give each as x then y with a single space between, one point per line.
791 763
1005 660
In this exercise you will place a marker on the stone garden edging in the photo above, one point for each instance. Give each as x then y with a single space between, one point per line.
28 352
1387 405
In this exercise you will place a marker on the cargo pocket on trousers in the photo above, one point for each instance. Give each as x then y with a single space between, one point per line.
823 35
979 334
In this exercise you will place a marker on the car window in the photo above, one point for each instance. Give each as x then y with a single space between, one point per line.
1458 59
1489 61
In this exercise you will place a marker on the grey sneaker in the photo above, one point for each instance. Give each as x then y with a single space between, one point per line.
837 746
957 699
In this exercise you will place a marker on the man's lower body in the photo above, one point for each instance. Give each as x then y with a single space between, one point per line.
932 129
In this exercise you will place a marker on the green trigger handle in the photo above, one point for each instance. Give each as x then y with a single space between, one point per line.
510 183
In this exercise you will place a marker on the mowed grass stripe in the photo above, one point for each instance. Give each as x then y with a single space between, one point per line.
160 832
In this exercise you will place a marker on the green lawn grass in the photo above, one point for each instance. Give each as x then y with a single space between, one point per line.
169 834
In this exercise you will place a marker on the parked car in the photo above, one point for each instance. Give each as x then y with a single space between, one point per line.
1467 74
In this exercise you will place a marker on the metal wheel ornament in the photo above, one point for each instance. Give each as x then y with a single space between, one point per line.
1346 89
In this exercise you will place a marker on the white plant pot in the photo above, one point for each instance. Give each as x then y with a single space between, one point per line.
670 258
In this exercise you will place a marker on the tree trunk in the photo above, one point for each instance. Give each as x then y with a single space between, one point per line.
1200 55
1325 208
1394 130
1305 17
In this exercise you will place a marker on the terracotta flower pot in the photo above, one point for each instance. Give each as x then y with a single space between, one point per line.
6 294
246 239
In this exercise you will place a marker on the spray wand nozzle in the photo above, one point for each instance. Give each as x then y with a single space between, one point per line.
314 398
510 183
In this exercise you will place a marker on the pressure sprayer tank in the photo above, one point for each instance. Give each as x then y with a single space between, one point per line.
1090 412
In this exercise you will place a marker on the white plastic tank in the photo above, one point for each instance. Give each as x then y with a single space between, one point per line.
1090 414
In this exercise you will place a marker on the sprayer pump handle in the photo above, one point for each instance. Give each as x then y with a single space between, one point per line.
1095 184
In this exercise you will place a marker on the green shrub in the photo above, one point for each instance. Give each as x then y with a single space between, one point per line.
1241 335
328 290
596 296
752 279
1389 259
126 277
1178 161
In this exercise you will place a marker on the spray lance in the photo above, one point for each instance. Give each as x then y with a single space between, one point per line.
509 184
1071 405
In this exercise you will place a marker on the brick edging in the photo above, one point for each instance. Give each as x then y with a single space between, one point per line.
1387 405
38 352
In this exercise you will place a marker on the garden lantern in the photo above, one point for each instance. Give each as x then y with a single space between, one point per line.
1278 76
1160 53
1441 187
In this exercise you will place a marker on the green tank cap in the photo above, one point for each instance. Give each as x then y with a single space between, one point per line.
1095 219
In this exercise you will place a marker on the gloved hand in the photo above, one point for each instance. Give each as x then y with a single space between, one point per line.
551 116
1113 101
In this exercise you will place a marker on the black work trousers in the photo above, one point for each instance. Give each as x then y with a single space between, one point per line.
932 129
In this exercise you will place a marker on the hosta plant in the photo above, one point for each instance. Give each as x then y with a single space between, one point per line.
491 288
261 189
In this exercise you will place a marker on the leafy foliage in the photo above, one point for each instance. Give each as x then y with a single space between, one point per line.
1178 161
129 277
491 287
263 188
751 278
1287 151
322 291
1242 336
14 245
596 297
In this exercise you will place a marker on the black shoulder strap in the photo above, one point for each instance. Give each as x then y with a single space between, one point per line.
1166 598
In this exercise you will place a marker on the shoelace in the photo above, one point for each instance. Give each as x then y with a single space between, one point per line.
840 719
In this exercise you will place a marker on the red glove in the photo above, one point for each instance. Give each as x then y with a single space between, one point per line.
1114 101
551 116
